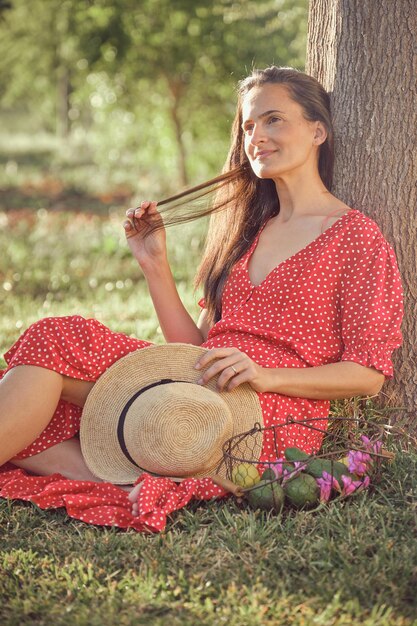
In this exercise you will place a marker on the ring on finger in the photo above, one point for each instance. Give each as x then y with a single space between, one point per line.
235 371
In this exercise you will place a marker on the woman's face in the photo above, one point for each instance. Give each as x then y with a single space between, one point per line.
278 139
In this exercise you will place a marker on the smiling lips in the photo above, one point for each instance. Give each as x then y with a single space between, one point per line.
262 154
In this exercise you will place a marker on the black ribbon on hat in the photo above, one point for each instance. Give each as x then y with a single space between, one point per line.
123 415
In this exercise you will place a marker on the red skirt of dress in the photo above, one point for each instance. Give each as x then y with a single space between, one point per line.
73 346
83 349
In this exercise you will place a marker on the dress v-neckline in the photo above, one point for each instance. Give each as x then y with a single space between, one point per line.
294 256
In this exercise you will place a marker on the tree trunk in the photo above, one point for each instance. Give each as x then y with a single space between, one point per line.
364 53
176 89
62 105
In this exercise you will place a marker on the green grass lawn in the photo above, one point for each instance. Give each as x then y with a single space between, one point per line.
350 563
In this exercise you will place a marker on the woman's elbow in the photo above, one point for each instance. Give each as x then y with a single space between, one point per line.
374 382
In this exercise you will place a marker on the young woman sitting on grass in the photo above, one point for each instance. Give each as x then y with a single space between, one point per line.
302 296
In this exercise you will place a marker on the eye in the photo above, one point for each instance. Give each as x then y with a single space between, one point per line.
248 128
273 119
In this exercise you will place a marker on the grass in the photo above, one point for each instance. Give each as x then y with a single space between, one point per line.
352 562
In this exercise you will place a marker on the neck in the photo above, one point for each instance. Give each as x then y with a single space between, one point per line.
301 195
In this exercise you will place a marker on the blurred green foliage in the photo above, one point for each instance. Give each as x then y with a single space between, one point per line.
121 92
63 263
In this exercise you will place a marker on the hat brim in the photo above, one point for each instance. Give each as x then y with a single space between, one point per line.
98 429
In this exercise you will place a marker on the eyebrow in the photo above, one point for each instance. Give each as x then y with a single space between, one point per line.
266 113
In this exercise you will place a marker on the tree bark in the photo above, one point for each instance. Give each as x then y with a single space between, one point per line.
364 53
176 89
62 102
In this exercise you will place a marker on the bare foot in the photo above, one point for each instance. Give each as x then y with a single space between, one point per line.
133 497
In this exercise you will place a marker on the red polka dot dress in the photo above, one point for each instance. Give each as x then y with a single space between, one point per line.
338 299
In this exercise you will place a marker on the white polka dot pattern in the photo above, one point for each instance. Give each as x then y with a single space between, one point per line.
339 298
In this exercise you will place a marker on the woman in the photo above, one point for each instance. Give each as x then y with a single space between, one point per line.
302 293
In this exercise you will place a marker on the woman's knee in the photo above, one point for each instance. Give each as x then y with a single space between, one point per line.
76 391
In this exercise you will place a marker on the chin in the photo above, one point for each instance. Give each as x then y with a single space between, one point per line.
264 172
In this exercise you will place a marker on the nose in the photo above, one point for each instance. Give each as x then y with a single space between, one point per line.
258 135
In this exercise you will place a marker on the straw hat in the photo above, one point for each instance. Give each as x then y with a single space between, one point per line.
146 413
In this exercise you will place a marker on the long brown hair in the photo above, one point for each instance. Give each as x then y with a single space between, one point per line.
242 202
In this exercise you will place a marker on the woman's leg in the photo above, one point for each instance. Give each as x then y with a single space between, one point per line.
64 458
28 398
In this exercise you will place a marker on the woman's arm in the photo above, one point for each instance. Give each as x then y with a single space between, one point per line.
150 252
176 323
324 382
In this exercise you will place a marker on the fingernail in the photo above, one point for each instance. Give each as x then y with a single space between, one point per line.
197 366
200 381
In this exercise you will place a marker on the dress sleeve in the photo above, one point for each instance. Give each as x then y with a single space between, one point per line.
372 307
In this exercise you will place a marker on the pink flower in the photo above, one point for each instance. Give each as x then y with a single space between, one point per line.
374 447
350 485
366 482
366 441
326 484
278 467
299 466
359 462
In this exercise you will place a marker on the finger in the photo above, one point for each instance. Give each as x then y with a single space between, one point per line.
146 206
148 214
128 225
231 372
225 369
139 210
235 381
130 213
225 378
152 207
130 228
214 353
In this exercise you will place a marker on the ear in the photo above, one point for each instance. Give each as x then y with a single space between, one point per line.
320 134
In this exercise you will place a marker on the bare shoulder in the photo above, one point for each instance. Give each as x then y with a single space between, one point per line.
334 213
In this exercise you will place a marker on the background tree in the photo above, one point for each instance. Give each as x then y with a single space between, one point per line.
197 49
365 55
154 77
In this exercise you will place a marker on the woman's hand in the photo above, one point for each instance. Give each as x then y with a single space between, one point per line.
233 367
149 250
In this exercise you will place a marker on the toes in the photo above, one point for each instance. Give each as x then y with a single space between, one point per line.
133 495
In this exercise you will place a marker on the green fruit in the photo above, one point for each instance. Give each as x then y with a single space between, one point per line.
295 454
267 496
245 475
316 467
269 474
302 491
